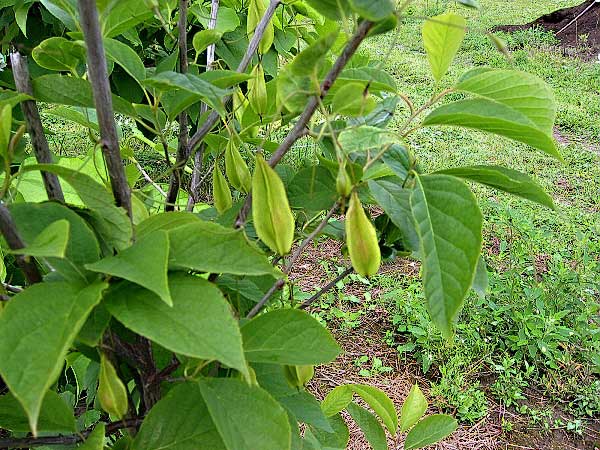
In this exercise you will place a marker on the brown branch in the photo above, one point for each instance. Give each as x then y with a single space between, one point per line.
34 126
261 304
31 442
182 147
327 288
299 129
213 118
14 241
196 183
98 75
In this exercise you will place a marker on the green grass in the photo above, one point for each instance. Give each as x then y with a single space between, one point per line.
538 328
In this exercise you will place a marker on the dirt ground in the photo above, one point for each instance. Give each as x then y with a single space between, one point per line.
369 339
577 37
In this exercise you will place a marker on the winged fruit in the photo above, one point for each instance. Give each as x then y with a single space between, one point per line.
236 168
221 192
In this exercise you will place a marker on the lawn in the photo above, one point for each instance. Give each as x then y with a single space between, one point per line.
525 361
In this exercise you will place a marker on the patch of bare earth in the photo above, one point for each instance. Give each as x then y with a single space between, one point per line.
369 339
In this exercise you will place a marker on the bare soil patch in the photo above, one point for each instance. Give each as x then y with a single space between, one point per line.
581 37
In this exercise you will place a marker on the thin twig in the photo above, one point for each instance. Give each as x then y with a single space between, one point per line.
98 75
260 305
34 126
14 241
11 288
30 442
290 264
149 179
299 129
196 183
213 118
309 239
182 147
327 288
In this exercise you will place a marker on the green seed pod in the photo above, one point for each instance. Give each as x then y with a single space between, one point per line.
257 91
343 183
240 103
271 213
236 168
221 192
111 390
5 127
256 10
305 374
361 238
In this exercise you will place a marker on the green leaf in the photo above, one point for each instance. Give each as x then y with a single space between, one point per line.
64 90
442 37
112 393
144 263
493 117
123 16
298 80
51 242
227 18
21 12
288 336
109 221
165 221
32 219
224 78
312 189
126 57
212 95
507 180
398 158
179 421
363 139
376 79
323 440
199 324
353 100
369 425
246 416
337 400
209 247
95 441
372 10
55 415
413 408
94 327
449 225
521 91
58 53
430 430
205 38
37 327
380 403
64 10
85 117
395 201
332 9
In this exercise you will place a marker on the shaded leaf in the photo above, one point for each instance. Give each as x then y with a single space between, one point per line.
199 324
413 408
51 242
369 425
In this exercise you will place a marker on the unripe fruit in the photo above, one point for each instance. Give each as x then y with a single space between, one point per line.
221 192
342 182
271 213
240 103
236 168
111 390
257 91
361 238
298 376
256 11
